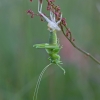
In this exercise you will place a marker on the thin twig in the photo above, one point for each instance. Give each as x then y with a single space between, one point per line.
84 52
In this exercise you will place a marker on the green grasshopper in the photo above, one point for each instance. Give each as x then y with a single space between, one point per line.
52 48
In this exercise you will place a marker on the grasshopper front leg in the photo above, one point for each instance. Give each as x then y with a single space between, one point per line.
46 46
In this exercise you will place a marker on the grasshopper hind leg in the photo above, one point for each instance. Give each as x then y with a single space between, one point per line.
62 69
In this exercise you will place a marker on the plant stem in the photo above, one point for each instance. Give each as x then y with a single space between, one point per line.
75 46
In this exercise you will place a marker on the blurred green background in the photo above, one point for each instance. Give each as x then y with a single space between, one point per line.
21 64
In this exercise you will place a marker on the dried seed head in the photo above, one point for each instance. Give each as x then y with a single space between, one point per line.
30 12
64 21
51 0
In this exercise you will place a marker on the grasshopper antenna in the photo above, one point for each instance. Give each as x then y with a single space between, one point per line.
38 82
